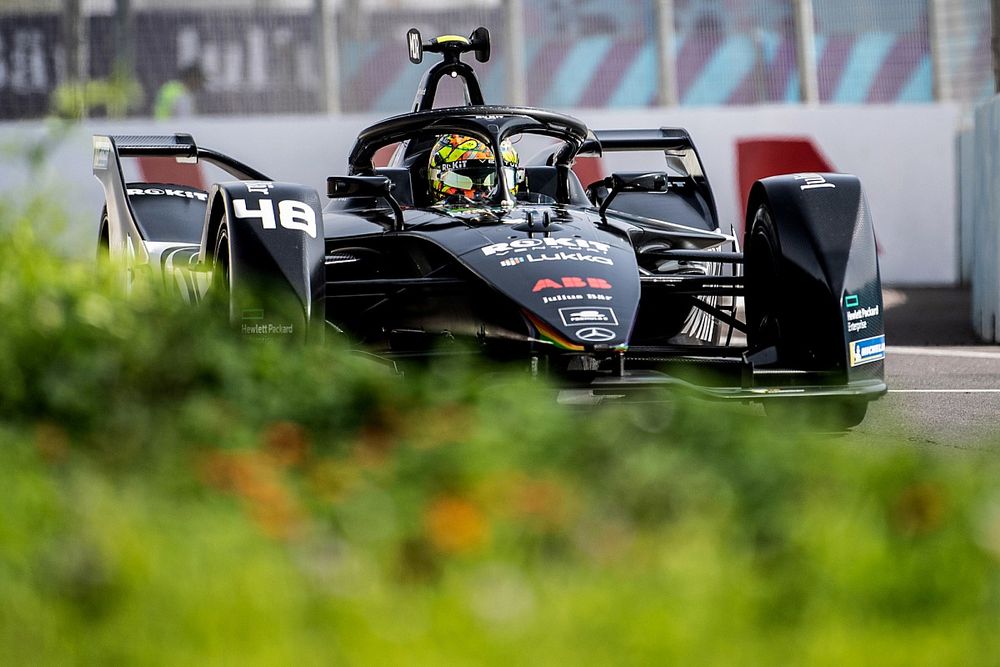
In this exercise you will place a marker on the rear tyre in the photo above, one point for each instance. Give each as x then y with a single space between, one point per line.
122 270
103 238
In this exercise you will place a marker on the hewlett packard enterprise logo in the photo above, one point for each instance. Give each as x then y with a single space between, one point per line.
867 350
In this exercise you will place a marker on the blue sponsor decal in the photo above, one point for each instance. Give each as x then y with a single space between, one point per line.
851 301
867 350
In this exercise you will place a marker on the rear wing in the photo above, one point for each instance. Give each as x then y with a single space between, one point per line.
676 144
124 235
678 150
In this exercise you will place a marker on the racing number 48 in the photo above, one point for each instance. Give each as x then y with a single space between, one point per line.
291 214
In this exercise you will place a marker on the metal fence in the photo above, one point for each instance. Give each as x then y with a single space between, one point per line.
309 56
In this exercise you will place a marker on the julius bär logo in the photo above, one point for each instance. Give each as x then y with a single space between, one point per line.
571 282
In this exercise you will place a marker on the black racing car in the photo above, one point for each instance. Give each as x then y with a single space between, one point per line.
621 286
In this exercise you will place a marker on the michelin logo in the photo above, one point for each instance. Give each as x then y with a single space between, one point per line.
867 350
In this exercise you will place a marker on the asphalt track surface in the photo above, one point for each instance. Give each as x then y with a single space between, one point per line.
944 385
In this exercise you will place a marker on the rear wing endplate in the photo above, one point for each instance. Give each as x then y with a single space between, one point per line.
124 235
678 151
675 142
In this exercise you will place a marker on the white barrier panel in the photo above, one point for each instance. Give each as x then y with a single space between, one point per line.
984 219
965 159
904 155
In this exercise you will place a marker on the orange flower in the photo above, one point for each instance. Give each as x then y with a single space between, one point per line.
287 443
455 525
258 483
542 501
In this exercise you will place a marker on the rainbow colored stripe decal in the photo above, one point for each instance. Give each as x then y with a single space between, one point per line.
550 335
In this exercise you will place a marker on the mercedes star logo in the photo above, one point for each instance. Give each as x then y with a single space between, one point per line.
595 334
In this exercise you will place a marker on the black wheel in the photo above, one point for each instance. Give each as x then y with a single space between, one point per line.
222 282
763 282
122 268
256 300
104 238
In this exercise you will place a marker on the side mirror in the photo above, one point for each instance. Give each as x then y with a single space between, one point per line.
480 41
638 181
450 45
597 192
415 46
339 187
630 181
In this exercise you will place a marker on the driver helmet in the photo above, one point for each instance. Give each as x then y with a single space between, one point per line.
462 167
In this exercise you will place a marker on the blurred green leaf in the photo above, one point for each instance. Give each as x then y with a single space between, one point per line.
173 494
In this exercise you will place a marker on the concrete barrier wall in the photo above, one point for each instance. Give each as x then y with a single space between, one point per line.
980 219
965 150
904 155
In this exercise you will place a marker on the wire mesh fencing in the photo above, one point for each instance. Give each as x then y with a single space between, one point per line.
313 56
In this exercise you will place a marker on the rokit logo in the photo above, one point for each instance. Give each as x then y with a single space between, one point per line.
527 245
571 282
186 194
556 257
574 317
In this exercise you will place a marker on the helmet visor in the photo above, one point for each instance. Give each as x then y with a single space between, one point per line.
470 178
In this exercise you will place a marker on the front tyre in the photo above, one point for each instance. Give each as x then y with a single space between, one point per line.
221 285
762 276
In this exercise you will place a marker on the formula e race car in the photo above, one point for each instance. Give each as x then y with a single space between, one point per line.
626 285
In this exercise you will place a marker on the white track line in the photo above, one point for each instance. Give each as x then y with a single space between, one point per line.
935 352
944 391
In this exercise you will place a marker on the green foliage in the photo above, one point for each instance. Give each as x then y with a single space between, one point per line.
114 96
172 494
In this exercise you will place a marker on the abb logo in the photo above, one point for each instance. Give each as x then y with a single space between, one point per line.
571 281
